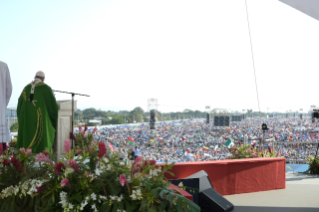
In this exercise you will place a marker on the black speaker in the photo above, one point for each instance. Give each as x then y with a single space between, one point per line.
216 121
221 121
152 119
227 121
211 200
192 187
153 116
207 118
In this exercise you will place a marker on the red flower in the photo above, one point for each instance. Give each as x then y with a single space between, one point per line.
45 153
251 147
317 166
16 164
58 167
278 153
239 143
5 162
269 149
73 137
39 189
102 149
1 149
85 127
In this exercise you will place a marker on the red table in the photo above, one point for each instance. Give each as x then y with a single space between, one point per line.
239 175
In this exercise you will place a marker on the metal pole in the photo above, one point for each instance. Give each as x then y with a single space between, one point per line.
72 119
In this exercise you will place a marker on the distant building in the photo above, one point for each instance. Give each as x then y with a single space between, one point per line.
11 115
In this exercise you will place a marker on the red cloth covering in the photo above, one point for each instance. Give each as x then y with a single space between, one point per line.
184 193
239 175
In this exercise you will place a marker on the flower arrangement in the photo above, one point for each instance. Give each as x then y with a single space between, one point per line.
88 178
247 151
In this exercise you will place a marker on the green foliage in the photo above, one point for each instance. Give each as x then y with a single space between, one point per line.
313 166
14 127
246 151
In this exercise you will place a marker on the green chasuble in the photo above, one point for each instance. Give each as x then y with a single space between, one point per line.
37 119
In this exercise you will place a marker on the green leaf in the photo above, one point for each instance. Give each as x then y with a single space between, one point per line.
163 193
114 207
76 197
155 192
163 205
128 206
179 205
171 173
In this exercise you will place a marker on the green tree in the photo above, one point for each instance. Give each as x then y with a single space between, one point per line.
14 127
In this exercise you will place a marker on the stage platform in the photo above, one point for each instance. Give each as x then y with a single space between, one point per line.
301 194
239 175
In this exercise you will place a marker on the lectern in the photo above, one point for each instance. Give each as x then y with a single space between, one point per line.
64 126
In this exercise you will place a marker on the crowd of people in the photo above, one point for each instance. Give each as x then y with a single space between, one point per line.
195 140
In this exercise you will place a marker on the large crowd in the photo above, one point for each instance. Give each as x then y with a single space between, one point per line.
195 140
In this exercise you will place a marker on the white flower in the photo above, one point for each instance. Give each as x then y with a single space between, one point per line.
93 196
106 160
180 184
98 171
133 196
122 163
68 170
70 206
103 197
112 198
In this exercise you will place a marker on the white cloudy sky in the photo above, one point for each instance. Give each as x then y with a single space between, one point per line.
187 54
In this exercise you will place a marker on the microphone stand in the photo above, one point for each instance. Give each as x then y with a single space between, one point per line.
72 94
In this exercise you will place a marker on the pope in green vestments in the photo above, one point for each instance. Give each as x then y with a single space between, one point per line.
37 116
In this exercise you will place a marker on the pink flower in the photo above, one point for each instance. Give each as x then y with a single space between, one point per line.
87 173
80 129
43 158
138 159
65 182
278 153
137 166
123 180
29 151
67 145
74 165
79 151
22 150
94 130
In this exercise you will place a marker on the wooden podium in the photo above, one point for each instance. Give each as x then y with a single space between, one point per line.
64 126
